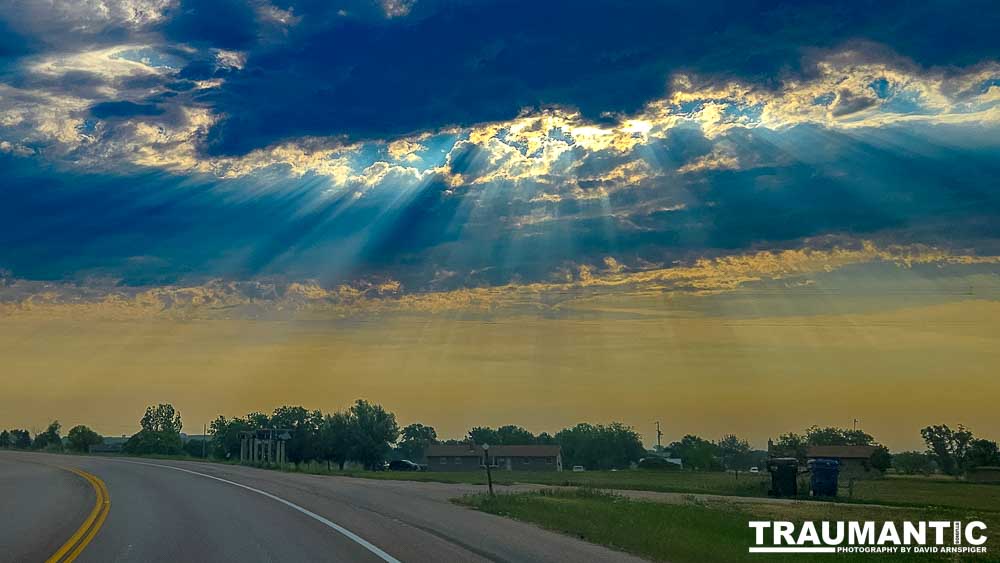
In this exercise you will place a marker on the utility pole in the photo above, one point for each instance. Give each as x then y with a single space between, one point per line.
855 424
659 435
204 443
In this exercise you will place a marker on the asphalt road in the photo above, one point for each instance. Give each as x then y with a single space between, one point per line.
189 511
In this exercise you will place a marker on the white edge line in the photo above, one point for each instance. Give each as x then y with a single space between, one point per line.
351 535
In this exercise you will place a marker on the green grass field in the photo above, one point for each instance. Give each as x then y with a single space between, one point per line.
897 491
923 491
665 481
692 532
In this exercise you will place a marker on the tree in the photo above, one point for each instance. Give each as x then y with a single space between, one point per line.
195 447
225 436
304 426
484 435
161 418
80 438
791 445
697 453
911 463
225 433
160 434
5 440
735 452
600 446
49 439
948 447
335 438
507 435
545 439
20 439
414 439
881 458
512 435
831 436
373 429
982 453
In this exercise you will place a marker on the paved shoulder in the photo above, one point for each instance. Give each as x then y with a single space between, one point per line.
416 521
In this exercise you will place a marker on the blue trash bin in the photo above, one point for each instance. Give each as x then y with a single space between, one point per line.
825 473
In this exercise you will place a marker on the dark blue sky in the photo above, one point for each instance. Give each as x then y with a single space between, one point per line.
466 143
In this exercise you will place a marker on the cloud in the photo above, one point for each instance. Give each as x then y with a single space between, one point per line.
309 299
134 89
55 20
488 62
107 110
408 139
226 24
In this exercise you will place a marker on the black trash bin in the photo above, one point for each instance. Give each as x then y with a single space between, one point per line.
824 477
784 471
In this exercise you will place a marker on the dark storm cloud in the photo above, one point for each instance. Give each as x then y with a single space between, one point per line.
227 24
107 110
459 63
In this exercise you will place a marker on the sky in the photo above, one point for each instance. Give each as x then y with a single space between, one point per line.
729 217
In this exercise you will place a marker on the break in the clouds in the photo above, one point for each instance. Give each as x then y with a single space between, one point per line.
447 145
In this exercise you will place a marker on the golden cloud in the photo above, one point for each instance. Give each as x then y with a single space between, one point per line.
256 299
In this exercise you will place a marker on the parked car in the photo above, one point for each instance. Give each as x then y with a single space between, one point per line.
579 468
754 470
403 465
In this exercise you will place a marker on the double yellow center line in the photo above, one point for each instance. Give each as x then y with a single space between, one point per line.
79 540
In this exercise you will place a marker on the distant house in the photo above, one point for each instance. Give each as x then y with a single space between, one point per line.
464 457
469 457
855 461
657 459
111 445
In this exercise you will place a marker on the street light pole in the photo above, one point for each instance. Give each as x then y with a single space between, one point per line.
489 475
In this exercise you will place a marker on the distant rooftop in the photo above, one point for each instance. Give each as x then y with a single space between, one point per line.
467 450
842 452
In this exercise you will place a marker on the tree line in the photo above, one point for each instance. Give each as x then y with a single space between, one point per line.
950 451
363 433
79 439
727 453
368 435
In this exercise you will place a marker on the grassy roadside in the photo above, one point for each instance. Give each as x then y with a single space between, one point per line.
915 492
901 492
693 532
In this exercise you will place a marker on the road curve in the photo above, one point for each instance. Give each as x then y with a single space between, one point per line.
41 506
189 511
